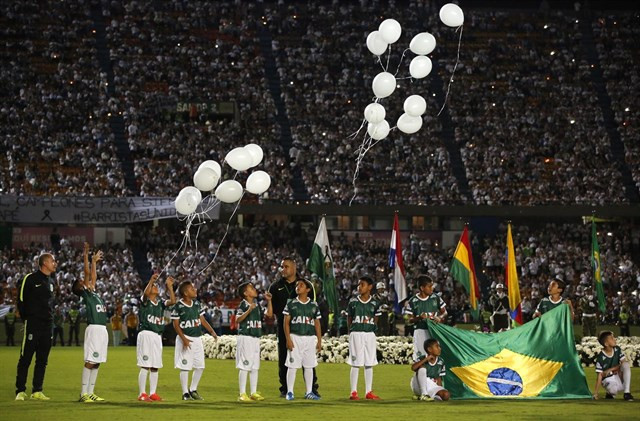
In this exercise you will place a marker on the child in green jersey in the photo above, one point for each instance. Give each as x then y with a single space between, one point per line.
188 317
363 312
429 369
304 337
556 289
149 343
614 371
96 338
422 306
249 319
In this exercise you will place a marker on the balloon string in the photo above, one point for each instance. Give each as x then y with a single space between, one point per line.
388 58
401 58
224 236
446 97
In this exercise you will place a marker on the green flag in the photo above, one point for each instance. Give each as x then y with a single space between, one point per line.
597 269
537 360
321 263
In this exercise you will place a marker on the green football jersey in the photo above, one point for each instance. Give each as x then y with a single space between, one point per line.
252 324
605 362
189 317
151 315
434 370
303 316
96 311
546 304
363 314
430 305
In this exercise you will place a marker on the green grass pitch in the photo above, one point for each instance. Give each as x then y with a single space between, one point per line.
117 382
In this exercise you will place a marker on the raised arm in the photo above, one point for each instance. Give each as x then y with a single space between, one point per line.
97 256
268 297
87 272
152 280
172 294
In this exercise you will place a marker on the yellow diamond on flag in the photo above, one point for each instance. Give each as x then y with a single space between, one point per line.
508 374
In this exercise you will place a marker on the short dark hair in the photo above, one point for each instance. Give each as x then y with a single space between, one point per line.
43 257
367 279
307 283
182 286
242 288
603 336
424 280
75 287
560 284
429 343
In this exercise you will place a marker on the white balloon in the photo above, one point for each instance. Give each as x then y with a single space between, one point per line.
376 44
390 30
374 113
409 124
197 196
420 67
451 15
383 84
239 159
256 153
205 179
415 105
185 204
213 165
258 182
378 131
229 191
423 43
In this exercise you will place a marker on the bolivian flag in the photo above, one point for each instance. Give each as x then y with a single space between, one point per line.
463 271
537 360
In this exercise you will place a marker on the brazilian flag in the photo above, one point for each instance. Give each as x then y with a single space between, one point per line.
536 360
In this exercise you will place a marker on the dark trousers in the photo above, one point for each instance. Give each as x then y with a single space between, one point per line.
11 331
282 359
74 329
131 336
36 340
57 331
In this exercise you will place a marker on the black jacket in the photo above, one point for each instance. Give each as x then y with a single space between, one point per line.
36 298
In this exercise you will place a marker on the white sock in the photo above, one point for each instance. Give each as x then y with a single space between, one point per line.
353 378
626 376
153 382
184 380
308 379
242 379
368 378
422 380
254 381
197 373
86 373
142 380
291 379
92 380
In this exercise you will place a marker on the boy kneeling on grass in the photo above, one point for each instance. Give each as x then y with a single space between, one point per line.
429 369
614 371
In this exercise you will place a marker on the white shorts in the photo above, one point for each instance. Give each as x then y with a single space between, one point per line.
432 387
96 341
362 349
613 384
149 349
247 353
304 352
419 336
189 358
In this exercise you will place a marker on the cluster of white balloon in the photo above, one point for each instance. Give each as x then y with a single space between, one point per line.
384 83
208 175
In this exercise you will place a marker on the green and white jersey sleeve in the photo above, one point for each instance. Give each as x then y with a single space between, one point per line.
189 317
303 316
252 324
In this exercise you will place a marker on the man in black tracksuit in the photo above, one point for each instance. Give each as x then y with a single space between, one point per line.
36 303
281 291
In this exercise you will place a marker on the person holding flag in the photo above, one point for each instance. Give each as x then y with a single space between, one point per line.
425 305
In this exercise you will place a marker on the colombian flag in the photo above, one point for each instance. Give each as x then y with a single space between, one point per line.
463 271
537 360
511 281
